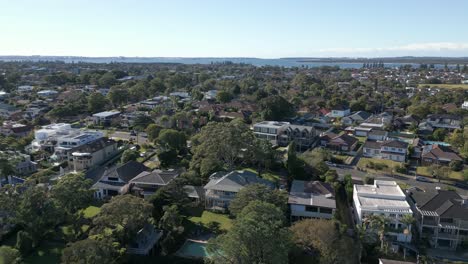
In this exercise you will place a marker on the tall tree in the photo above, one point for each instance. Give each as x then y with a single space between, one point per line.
276 108
90 251
170 139
72 192
257 192
258 236
96 103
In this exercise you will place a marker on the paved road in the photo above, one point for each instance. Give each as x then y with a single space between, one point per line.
359 175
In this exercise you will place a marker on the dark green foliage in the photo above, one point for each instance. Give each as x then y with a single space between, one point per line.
276 108
24 242
258 192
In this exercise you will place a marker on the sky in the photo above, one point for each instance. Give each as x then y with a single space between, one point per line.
234 28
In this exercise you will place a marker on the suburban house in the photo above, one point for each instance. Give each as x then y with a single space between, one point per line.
105 118
113 179
66 144
21 163
148 182
465 105
382 198
47 93
311 199
343 142
340 111
223 187
444 121
145 241
405 121
377 134
282 133
390 150
356 118
10 128
441 216
195 193
7 110
92 154
438 154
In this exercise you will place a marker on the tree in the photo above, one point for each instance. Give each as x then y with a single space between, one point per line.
265 155
378 224
439 134
228 143
171 139
72 192
257 236
153 131
6 168
129 155
276 108
24 242
141 122
124 215
257 192
331 176
223 96
348 183
294 165
325 238
96 103
107 79
90 251
456 165
9 255
167 158
118 96
169 195
171 219
36 213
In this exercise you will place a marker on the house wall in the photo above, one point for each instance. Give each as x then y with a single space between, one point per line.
299 211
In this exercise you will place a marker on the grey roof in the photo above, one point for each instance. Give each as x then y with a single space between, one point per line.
378 132
106 114
7 107
395 144
194 191
447 204
313 193
390 261
372 144
156 177
234 181
362 115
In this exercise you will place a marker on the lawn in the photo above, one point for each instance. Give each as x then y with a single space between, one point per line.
46 253
363 162
224 221
454 175
444 86
267 175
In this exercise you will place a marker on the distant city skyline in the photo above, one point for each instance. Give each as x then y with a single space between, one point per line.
260 29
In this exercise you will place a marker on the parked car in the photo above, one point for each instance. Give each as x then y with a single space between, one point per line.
423 179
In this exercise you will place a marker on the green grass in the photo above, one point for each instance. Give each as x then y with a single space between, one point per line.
361 139
454 175
444 86
267 175
91 211
224 221
363 162
46 253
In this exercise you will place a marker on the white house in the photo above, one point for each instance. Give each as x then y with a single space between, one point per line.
383 198
465 105
340 111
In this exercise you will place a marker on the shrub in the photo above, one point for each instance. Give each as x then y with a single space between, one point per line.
456 165
24 242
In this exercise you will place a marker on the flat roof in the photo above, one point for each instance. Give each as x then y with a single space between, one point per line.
106 113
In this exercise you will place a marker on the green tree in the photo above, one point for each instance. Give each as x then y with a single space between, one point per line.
439 134
325 238
169 195
6 168
107 79
257 236
171 139
129 155
331 176
9 255
167 158
91 251
276 108
96 103
24 242
265 155
153 131
378 224
72 192
118 96
258 192
223 96
294 165
124 216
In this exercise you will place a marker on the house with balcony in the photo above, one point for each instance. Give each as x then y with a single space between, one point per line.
105 118
223 187
111 181
441 216
311 199
390 150
383 198
446 121
283 133
147 183
92 154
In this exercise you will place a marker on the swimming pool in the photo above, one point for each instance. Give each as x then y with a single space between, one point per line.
193 249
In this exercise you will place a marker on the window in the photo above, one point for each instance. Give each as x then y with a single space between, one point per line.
311 209
326 210
112 178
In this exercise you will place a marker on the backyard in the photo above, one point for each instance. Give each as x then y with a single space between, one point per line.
386 165
453 175
206 217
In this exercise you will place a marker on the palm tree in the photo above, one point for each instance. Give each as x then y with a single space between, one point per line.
378 223
408 220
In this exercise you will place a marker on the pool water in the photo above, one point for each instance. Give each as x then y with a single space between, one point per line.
193 249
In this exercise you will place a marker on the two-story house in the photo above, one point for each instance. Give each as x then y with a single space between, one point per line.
93 153
105 118
223 187
147 183
441 216
340 111
383 198
356 118
390 150
311 199
282 133
112 180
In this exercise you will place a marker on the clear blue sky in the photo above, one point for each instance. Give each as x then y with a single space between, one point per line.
235 28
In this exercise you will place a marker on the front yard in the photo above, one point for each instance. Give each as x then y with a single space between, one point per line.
453 175
385 165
